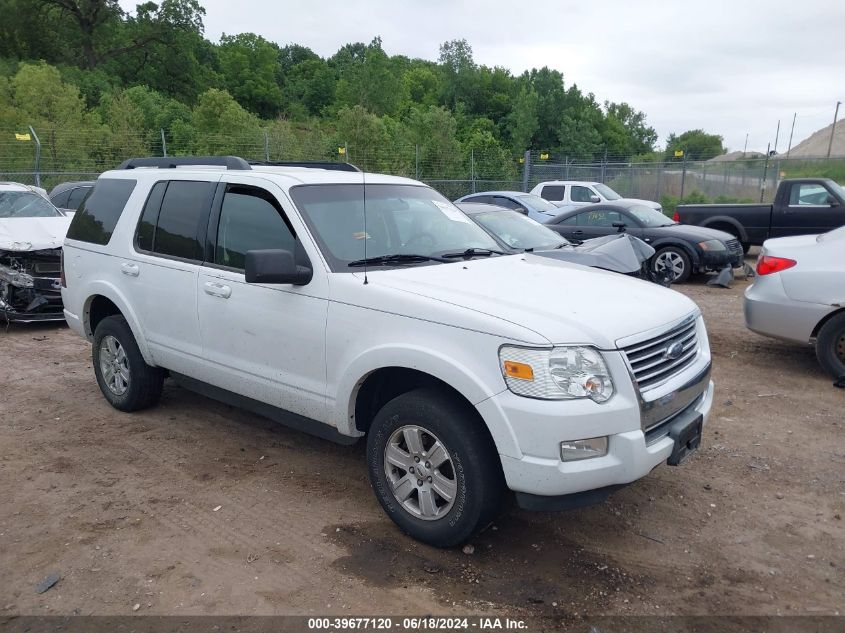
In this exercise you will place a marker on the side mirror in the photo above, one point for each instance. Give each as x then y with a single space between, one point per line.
619 226
274 266
595 199
522 210
832 201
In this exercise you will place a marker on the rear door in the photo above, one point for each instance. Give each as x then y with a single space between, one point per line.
808 208
263 341
162 274
553 193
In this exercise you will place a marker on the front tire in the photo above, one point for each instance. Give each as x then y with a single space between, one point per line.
433 467
674 262
125 379
830 346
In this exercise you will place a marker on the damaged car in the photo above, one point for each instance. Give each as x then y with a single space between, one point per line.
516 233
31 235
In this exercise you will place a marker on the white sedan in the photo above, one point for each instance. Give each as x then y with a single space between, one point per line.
799 295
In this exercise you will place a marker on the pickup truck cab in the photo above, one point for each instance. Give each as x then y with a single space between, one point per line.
802 206
368 306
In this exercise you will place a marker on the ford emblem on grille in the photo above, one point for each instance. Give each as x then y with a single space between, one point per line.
674 351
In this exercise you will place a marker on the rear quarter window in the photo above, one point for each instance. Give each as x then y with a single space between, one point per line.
553 192
98 214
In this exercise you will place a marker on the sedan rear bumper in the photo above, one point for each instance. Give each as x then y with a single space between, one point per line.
770 312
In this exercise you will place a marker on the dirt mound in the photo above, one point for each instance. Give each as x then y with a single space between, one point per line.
816 145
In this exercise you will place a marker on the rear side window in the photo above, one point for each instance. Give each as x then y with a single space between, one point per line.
76 197
183 206
250 219
553 192
60 199
97 216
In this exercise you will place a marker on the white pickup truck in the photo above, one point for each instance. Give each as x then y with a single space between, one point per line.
351 305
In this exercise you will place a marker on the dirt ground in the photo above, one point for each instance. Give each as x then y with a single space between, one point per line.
197 508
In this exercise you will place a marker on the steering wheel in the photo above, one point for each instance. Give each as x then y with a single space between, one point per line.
421 237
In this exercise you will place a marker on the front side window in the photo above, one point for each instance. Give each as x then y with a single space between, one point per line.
25 204
400 220
601 217
250 219
807 194
581 194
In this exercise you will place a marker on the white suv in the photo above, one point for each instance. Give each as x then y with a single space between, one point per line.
570 194
348 309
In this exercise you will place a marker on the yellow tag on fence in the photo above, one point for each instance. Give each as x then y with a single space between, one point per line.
23 137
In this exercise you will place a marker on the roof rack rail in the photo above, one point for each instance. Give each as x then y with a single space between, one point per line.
313 164
171 162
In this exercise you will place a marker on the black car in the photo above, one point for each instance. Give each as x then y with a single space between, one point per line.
69 195
681 250
517 233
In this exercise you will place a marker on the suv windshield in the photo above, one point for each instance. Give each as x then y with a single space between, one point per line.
400 220
649 217
536 203
25 204
519 232
607 192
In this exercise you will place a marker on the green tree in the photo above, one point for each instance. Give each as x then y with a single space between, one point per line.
522 122
459 72
641 137
371 82
696 145
250 67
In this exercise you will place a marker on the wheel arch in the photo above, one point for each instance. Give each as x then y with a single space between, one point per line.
725 220
824 321
666 242
104 300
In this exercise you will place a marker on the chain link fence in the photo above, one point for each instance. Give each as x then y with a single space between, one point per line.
48 157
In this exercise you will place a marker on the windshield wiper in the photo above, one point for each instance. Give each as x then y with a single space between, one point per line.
474 252
395 258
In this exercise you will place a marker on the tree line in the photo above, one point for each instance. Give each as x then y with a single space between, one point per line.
77 67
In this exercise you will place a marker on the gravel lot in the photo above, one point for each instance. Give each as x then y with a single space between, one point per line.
196 508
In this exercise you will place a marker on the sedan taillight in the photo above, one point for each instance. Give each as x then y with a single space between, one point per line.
767 264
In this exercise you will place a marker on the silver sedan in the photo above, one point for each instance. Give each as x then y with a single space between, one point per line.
799 295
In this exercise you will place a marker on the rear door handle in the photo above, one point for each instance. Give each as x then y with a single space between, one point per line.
133 270
217 290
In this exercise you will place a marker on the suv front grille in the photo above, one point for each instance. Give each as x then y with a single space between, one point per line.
654 360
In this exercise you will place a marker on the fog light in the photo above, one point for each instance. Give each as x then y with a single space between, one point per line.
583 449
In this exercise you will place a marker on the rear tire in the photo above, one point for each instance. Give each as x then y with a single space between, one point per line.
675 261
124 377
433 467
830 346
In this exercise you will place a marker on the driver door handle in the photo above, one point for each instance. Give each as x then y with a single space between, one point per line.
217 290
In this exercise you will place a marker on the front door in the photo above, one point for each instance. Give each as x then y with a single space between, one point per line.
263 341
810 209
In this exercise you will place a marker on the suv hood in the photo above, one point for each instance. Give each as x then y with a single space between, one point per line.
645 203
32 234
561 302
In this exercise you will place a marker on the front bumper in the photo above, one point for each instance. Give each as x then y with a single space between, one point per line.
717 260
632 452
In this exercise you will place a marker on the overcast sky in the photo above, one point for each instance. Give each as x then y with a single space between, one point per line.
729 67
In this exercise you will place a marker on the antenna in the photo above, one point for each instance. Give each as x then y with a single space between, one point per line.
366 236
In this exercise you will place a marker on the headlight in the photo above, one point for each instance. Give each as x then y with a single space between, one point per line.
560 373
712 245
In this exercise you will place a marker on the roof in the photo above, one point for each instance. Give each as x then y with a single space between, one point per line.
15 186
569 182
72 184
284 176
496 193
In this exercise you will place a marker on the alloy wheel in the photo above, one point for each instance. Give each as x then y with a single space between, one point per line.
420 472
114 365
